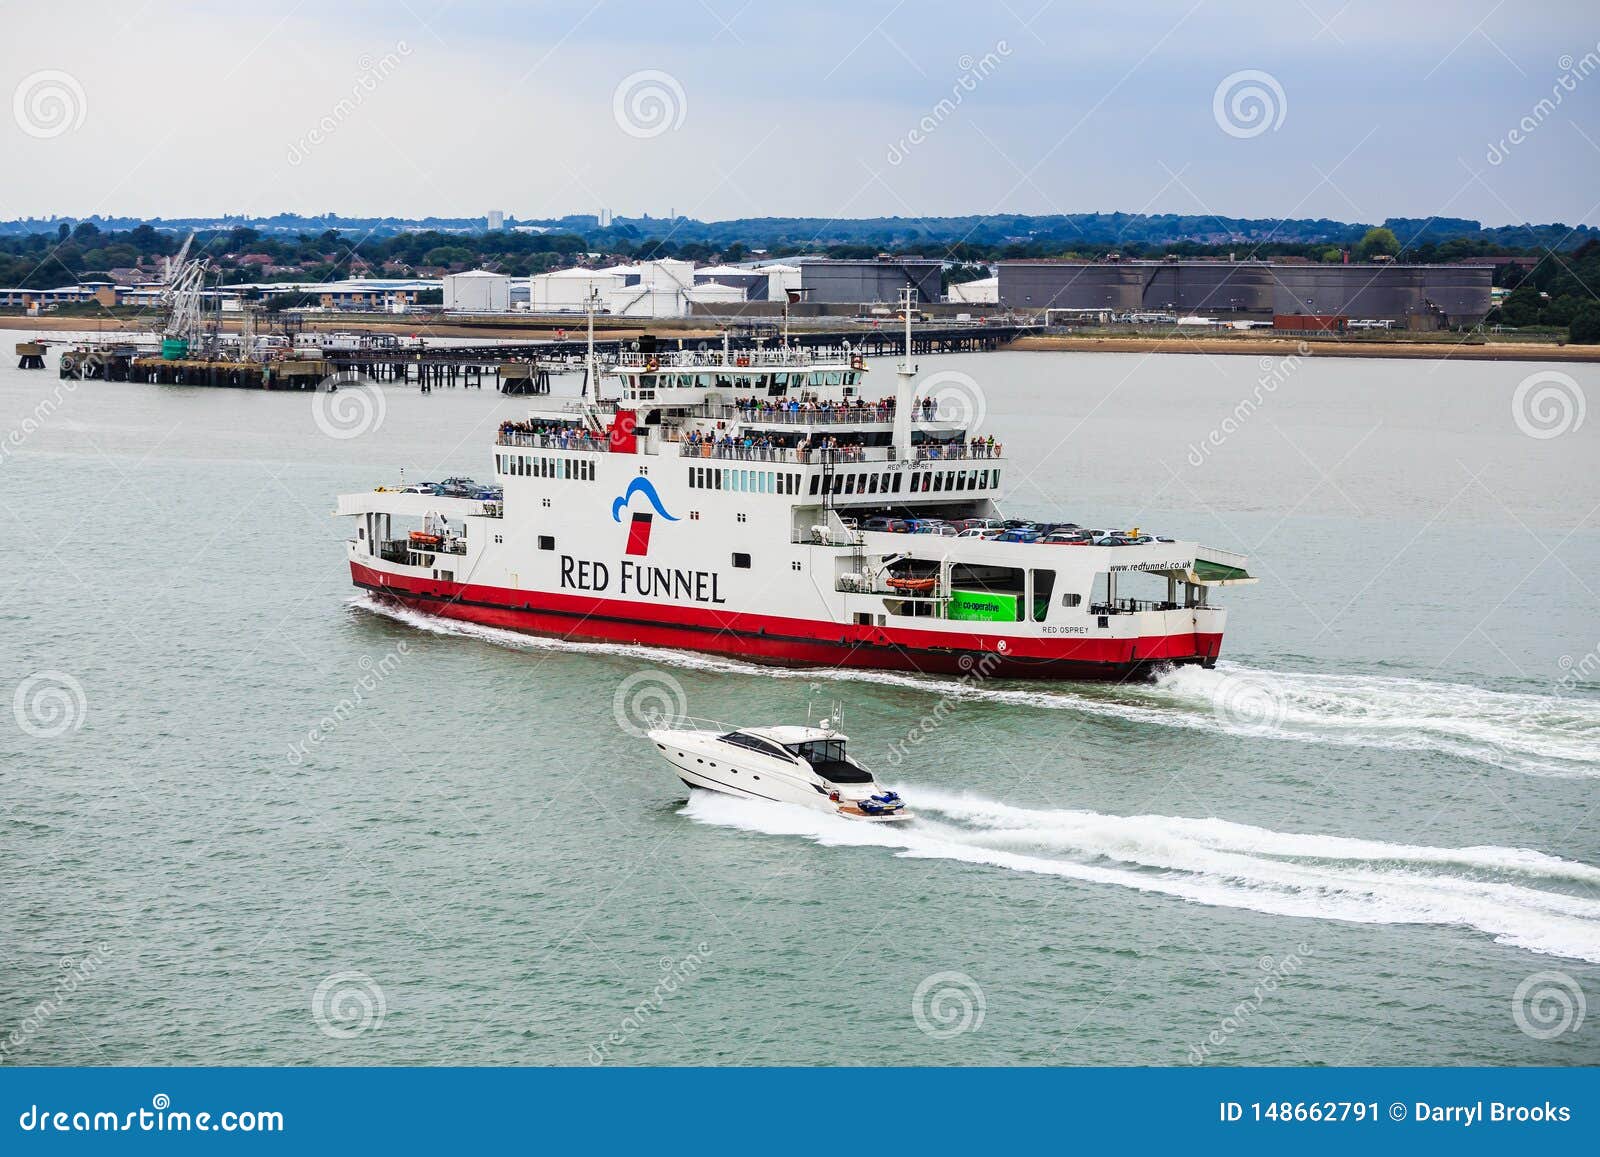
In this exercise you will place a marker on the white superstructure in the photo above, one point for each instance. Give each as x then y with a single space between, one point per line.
769 504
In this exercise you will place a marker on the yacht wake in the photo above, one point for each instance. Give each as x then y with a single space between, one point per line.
1516 896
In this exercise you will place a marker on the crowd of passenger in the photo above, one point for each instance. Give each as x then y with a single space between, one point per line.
973 448
551 436
856 409
766 448
848 410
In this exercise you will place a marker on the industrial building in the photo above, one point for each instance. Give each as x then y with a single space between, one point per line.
658 289
830 281
477 291
1456 295
983 291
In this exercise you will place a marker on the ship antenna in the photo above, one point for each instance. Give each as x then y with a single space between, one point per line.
589 374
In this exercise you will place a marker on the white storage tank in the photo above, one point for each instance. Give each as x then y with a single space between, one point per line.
984 291
477 291
567 290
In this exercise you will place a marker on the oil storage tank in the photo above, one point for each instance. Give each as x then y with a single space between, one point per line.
1192 287
1038 285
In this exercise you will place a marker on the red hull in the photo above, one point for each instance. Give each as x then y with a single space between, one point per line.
785 641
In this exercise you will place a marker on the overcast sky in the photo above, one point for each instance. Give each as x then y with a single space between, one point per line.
723 108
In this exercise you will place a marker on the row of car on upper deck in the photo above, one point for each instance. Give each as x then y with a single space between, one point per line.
1010 530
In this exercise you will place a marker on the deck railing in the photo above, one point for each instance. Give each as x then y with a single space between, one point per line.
839 456
838 416
776 357
815 456
586 440
1131 606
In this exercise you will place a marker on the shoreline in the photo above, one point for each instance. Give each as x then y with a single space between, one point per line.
1281 346
1318 347
44 326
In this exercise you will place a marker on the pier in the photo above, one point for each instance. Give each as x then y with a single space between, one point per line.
514 367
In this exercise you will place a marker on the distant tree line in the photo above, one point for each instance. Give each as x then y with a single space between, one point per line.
1555 293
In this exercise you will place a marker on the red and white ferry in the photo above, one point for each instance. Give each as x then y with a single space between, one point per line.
753 504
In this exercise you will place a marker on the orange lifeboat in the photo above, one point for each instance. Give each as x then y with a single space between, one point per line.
912 585
423 538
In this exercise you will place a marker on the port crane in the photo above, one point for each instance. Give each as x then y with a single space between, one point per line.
181 294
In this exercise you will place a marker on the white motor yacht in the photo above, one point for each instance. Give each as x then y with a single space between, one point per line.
808 766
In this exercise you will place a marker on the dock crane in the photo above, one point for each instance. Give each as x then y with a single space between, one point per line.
181 294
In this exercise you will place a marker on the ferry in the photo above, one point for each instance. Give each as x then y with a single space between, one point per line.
769 505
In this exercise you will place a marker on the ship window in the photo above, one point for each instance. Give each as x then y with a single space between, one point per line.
849 483
961 479
547 542
1071 599
814 481
1044 584
938 482
835 378
741 561
872 484
897 478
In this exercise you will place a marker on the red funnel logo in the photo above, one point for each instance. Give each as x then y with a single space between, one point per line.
639 534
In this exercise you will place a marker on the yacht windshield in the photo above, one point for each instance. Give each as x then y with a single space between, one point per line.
827 759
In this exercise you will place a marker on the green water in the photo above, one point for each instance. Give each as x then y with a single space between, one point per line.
247 818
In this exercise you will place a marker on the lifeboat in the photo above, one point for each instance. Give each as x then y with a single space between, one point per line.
917 585
423 538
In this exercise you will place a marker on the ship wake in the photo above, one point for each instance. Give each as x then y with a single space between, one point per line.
1516 896
1533 734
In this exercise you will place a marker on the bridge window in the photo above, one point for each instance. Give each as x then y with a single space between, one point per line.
815 480
897 478
547 542
741 561
1044 584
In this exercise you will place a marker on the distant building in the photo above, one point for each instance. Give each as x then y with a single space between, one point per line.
984 291
754 284
477 291
496 220
858 282
1460 294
